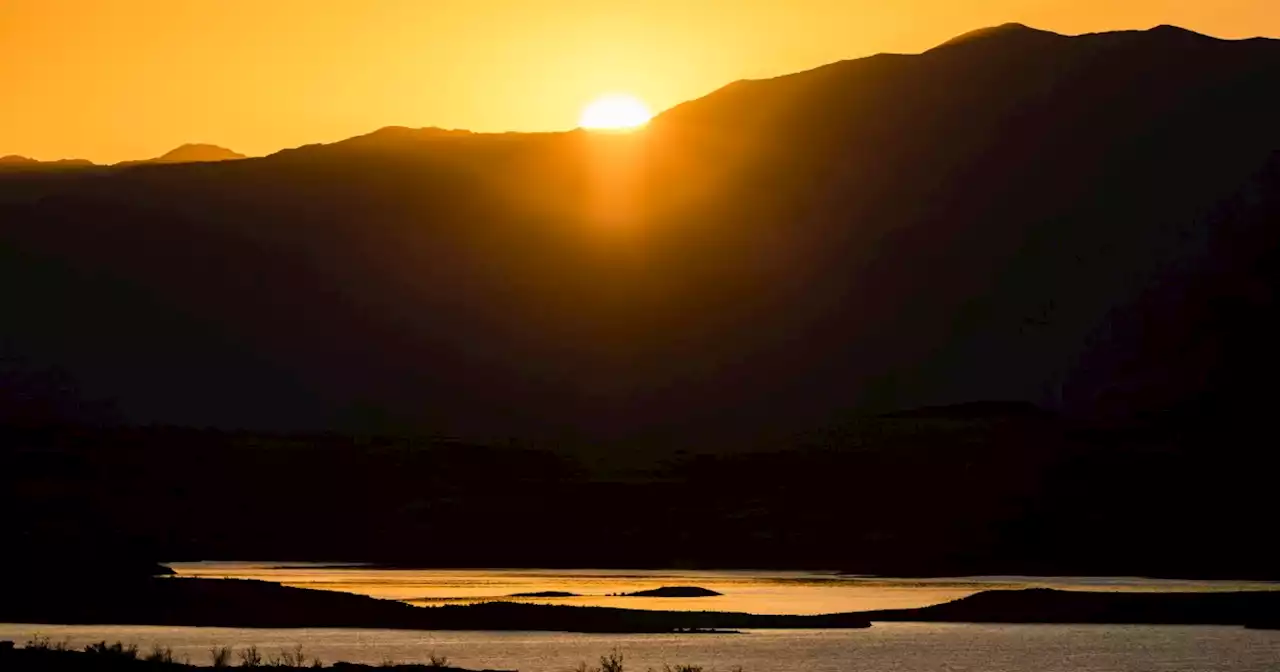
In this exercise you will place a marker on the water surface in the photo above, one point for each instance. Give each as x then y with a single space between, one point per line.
886 647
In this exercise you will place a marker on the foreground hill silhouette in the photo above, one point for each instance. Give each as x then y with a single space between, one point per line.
1086 224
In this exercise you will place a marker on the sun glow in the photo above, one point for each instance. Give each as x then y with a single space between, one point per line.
618 112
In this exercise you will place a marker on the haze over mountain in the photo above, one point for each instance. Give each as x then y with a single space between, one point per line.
1084 223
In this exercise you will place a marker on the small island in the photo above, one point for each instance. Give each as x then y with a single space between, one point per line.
674 591
546 593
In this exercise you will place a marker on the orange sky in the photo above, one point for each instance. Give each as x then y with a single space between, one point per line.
119 79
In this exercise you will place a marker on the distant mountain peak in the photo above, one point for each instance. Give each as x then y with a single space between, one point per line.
1179 32
1002 33
196 152
15 161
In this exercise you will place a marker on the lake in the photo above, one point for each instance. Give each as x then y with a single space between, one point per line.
756 592
886 647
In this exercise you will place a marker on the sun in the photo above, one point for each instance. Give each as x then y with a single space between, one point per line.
616 112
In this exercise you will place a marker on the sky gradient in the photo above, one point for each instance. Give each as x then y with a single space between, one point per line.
110 80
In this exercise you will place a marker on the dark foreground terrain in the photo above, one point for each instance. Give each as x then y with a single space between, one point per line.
118 658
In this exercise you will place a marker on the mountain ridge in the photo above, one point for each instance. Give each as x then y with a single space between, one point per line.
187 153
1003 33
999 144
1062 252
15 161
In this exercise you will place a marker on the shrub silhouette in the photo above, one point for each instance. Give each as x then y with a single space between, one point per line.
220 656
250 657
160 654
42 643
294 658
117 650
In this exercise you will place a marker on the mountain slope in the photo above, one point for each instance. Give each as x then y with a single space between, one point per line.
1084 223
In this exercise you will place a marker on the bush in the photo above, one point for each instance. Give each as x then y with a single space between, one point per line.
221 656
160 654
42 643
250 657
611 662
294 658
117 650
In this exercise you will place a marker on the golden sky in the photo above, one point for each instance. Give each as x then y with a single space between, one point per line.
109 80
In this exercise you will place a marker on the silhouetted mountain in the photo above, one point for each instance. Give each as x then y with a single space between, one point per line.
1083 224
191 153
1006 34
15 162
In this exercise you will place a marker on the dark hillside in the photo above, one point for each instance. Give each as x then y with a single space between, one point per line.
1083 223
1088 226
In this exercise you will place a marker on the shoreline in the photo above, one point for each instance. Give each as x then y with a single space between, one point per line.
240 603
259 604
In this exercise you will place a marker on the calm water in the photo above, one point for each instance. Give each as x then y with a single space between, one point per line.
889 647
752 592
